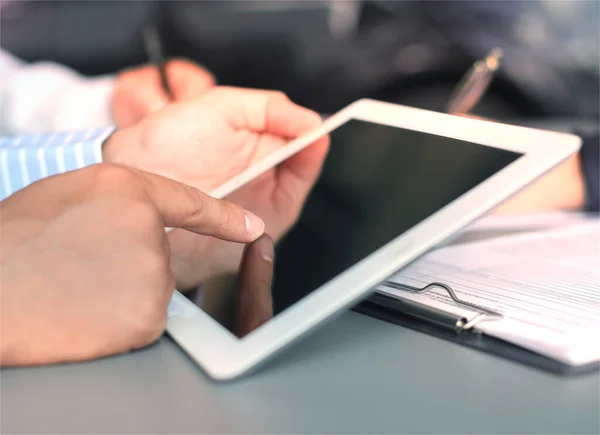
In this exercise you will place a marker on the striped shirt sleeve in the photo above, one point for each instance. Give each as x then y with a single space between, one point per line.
27 159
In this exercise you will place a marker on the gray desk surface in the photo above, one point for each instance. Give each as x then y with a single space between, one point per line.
355 375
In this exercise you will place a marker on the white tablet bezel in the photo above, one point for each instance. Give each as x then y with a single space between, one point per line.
223 356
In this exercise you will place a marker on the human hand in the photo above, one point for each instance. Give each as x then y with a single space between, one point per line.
209 140
138 91
85 260
277 197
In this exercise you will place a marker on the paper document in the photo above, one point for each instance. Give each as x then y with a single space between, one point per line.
493 226
532 221
546 285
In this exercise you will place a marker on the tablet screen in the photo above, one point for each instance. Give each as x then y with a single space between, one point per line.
377 182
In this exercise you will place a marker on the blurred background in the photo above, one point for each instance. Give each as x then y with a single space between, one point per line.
325 54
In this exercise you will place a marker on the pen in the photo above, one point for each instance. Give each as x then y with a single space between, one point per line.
474 83
156 56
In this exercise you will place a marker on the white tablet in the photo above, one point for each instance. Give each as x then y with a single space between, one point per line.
397 181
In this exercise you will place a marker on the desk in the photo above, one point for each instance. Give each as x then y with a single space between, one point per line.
355 375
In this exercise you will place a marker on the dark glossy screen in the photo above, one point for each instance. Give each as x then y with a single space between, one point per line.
377 182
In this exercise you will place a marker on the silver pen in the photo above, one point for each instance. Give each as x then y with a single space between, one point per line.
474 83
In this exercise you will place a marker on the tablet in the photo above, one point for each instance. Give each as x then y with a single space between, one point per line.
397 181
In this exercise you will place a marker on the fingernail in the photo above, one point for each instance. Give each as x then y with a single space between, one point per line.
266 250
254 225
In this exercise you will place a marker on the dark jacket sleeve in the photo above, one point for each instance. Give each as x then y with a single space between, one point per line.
590 164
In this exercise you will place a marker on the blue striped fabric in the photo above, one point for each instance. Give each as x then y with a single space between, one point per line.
26 159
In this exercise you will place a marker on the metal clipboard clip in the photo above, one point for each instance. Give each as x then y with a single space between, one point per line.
431 314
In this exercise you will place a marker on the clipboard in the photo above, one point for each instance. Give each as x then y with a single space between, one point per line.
456 329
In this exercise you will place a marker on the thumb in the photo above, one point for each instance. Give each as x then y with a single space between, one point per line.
188 80
138 93
149 99
253 302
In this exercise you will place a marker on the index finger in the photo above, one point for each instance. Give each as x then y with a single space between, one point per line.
183 206
188 79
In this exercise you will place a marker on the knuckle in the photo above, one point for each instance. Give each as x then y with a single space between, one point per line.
150 321
108 176
279 96
227 216
196 207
